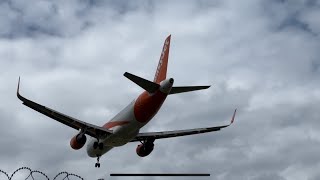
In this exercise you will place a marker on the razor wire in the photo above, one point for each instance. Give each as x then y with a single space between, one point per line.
62 175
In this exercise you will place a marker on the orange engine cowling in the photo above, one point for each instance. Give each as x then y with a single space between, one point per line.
144 149
78 141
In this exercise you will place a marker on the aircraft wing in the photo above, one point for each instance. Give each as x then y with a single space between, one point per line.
90 129
177 133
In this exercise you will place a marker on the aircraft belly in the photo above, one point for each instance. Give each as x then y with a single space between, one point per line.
122 135
124 127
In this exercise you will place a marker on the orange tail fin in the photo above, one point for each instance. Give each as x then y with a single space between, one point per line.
161 71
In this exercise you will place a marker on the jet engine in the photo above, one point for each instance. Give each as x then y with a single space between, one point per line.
78 141
145 148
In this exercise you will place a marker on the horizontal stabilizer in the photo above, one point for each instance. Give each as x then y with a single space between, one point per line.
183 89
147 85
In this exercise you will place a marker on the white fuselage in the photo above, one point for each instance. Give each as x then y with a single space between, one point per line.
122 134
127 123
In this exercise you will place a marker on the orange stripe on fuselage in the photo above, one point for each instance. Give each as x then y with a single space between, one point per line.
147 105
112 124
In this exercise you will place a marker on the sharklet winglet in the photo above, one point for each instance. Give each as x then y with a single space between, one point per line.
233 117
18 88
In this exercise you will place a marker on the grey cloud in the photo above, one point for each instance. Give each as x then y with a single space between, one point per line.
261 57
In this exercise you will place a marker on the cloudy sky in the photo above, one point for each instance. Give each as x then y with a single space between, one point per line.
260 56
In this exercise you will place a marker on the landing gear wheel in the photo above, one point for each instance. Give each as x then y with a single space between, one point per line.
98 145
97 165
95 145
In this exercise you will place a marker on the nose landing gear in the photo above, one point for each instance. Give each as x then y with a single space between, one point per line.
97 164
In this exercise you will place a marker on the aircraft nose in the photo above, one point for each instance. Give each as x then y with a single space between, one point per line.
171 80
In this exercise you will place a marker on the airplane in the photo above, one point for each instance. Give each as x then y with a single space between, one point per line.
125 126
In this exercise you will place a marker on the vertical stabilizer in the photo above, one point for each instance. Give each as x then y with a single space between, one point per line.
161 71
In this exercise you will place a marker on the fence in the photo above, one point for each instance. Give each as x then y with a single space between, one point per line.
62 175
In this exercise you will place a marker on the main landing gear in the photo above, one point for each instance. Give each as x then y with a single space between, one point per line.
97 164
97 145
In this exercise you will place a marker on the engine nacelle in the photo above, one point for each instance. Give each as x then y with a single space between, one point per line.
78 141
144 149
